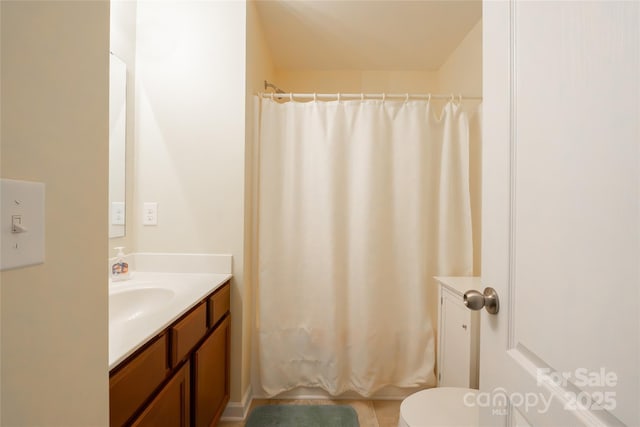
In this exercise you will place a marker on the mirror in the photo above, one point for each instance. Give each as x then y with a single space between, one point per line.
117 145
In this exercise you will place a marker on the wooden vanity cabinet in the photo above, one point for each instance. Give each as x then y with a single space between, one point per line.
211 376
181 377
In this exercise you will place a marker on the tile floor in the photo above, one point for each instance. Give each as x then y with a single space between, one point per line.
371 413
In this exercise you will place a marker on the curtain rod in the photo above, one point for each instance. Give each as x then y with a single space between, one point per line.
362 96
268 85
280 94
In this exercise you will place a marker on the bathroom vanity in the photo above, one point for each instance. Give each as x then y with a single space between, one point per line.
180 375
459 334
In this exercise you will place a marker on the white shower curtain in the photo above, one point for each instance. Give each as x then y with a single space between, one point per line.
361 204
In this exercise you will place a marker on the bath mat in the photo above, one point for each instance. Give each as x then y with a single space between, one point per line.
303 416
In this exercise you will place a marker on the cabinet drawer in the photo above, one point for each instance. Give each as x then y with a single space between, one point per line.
219 304
186 333
132 385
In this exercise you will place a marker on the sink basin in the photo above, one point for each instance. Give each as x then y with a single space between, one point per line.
133 303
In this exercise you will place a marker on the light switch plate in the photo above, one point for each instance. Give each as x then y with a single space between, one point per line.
150 213
117 213
22 205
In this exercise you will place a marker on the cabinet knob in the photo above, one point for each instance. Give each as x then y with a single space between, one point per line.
475 300
464 327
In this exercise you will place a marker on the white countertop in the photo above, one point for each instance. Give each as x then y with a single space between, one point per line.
461 284
144 305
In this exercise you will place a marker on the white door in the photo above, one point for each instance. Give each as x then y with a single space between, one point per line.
561 219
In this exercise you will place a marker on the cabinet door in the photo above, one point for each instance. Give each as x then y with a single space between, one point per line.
211 376
132 384
455 341
171 405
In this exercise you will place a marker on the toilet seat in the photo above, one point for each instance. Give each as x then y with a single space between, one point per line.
443 406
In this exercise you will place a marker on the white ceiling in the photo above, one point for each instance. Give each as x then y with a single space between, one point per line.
365 34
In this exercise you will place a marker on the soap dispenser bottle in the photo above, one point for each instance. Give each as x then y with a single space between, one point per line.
120 268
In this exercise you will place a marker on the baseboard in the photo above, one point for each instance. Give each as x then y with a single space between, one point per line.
237 411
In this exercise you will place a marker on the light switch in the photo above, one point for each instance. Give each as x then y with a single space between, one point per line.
21 223
16 224
150 213
117 213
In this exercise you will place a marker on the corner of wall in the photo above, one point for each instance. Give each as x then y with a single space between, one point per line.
462 71
259 67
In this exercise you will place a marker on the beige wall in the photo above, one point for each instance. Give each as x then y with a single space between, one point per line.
190 138
356 81
55 118
259 68
462 73
123 45
189 150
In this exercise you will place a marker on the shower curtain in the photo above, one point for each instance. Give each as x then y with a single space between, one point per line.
361 203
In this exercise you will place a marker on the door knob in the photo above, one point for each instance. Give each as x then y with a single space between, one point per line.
475 300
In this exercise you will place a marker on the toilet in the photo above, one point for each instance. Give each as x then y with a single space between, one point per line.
452 402
440 406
